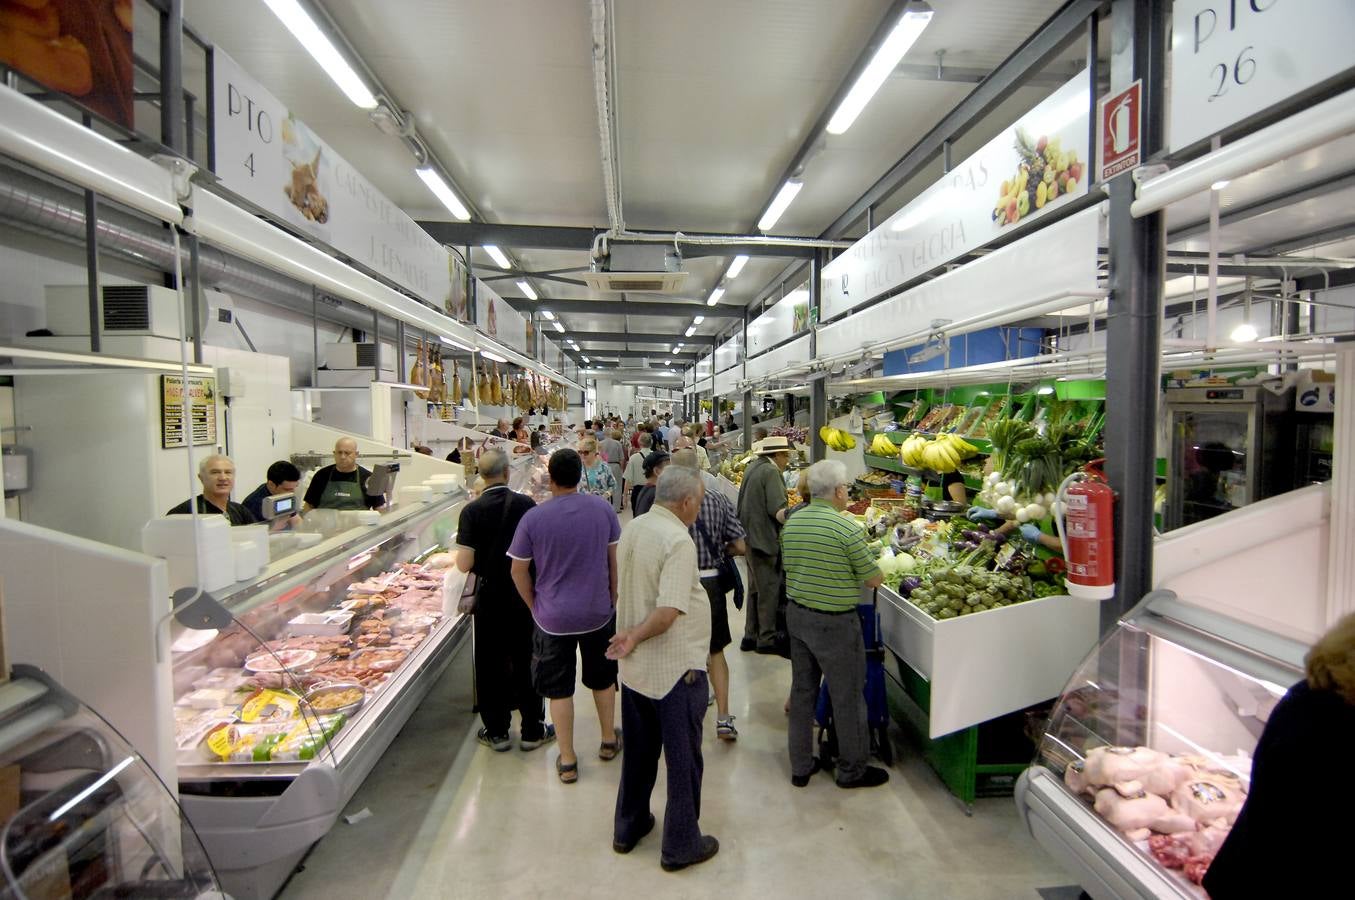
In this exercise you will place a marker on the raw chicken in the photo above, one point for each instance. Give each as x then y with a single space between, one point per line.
1128 814
1112 765
1208 799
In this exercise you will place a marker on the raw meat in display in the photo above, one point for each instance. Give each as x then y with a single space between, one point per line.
1208 799
1170 851
1128 814
1196 866
1112 765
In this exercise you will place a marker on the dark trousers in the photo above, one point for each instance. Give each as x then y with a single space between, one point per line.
827 646
503 665
671 725
765 575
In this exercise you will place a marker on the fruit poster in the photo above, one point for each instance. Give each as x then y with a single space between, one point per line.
1033 166
273 160
81 48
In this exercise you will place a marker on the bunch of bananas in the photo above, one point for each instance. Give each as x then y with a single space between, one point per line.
881 445
836 438
944 454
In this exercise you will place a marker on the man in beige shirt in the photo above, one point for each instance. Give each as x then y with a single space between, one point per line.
662 640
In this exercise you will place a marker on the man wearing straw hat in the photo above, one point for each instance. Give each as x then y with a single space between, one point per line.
762 510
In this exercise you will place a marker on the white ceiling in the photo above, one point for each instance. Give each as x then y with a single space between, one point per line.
713 97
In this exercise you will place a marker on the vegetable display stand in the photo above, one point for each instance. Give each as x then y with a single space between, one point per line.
972 669
982 760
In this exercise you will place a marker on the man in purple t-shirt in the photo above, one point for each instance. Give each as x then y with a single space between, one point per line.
571 541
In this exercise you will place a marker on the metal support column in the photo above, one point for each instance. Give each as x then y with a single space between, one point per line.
1134 318
92 269
399 350
818 395
315 337
376 345
194 294
172 132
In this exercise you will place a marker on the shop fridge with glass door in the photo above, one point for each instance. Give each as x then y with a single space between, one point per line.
1230 446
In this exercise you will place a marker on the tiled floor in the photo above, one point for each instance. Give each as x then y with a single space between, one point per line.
453 819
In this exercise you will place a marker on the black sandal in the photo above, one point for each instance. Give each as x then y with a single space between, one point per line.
610 750
568 773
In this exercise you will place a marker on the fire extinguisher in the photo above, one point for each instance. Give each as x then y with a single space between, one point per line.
1086 527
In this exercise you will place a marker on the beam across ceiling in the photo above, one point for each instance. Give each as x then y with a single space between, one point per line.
625 308
566 237
1014 72
635 337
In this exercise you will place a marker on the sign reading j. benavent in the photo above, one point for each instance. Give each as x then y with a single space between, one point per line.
269 157
1019 175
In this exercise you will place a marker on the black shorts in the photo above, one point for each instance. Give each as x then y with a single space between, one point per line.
719 614
553 661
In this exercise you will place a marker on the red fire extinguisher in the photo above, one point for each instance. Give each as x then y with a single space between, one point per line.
1087 531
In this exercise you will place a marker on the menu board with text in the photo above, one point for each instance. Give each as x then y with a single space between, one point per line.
197 417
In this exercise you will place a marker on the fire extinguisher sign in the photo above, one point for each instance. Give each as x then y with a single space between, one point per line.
1121 119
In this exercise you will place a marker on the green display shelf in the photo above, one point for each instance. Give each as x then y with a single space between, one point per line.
983 760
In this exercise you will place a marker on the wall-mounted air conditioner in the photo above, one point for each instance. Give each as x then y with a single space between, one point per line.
132 310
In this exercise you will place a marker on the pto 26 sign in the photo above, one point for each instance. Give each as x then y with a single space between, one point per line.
1232 59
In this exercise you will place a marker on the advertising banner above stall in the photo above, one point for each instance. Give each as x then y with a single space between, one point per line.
1017 176
1000 288
497 319
270 158
728 354
787 318
795 353
1231 60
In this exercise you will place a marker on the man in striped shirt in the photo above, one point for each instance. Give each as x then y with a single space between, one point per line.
827 562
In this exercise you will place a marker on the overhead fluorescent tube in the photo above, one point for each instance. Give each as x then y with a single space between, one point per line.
1244 333
886 59
737 266
560 328
318 45
498 256
548 315
452 343
715 296
587 360
690 331
697 320
487 354
779 204
527 289
433 179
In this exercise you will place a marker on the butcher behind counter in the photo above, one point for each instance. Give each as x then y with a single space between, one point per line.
342 485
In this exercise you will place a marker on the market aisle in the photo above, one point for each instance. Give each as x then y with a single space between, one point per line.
454 819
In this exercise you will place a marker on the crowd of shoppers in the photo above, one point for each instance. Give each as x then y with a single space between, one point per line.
563 589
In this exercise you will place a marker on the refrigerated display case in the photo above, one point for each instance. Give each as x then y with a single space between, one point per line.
82 813
1146 758
1230 446
263 776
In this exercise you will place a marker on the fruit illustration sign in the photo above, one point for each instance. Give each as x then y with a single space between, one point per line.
272 159
1025 170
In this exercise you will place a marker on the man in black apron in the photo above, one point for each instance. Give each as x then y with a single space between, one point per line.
344 484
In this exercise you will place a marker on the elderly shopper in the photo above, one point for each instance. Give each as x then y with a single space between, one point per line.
597 475
612 452
503 623
662 640
762 510
719 536
634 475
827 563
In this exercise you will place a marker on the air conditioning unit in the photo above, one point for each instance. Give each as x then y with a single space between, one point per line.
353 355
650 268
133 310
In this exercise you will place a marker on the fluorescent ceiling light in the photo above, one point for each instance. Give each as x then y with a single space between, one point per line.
1244 333
444 193
697 320
1220 184
679 347
487 354
587 360
527 289
497 255
548 315
779 204
309 35
737 266
715 296
886 59
459 346
690 331
560 328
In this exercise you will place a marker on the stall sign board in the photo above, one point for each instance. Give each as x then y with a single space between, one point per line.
497 319
270 158
1121 123
1021 174
1231 59
197 419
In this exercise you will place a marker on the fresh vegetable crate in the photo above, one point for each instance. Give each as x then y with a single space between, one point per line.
982 666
